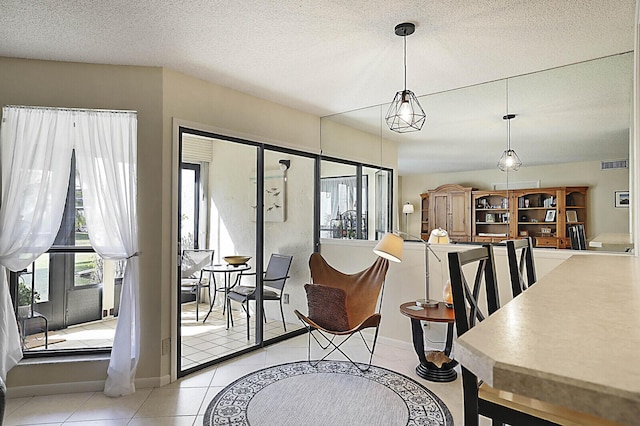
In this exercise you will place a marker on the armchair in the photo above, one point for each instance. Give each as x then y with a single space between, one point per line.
342 305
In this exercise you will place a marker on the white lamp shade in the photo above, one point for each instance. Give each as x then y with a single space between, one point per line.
390 247
439 236
407 208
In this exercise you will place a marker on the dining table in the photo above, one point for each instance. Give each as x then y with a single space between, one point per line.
227 269
571 339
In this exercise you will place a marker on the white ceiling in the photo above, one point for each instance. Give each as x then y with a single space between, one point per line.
325 56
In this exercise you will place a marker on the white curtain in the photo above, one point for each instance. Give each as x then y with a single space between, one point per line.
106 156
35 156
35 168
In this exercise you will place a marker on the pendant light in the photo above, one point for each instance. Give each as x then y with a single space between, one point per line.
509 161
405 113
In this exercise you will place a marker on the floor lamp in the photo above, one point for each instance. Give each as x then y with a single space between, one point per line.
407 209
390 247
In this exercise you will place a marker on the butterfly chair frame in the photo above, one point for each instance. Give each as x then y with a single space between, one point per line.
521 265
343 305
481 399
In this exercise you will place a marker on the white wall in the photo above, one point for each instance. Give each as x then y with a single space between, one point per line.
602 215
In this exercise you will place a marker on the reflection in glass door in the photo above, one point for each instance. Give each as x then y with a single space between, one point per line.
217 188
190 201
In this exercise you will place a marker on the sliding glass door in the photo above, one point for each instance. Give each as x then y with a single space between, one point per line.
217 213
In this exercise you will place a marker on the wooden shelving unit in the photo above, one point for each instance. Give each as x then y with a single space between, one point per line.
491 216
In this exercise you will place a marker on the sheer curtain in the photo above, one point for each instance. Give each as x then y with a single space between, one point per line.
106 151
35 150
35 156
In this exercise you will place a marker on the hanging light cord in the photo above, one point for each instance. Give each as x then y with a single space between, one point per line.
404 38
508 120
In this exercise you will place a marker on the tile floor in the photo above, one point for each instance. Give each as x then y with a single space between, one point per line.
201 342
185 401
212 340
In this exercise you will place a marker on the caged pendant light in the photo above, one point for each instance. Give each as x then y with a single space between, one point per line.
509 161
405 113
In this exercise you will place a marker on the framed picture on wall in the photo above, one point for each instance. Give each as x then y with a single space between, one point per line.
550 216
622 199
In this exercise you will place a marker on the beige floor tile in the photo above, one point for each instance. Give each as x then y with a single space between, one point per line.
211 393
111 422
164 402
164 421
47 409
13 404
102 407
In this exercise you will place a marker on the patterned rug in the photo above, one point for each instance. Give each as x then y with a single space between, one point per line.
333 393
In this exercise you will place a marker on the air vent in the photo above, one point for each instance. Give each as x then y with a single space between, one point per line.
617 164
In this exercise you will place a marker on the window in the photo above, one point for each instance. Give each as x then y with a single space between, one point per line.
355 201
190 196
64 292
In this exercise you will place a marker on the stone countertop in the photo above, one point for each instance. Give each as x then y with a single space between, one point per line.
572 339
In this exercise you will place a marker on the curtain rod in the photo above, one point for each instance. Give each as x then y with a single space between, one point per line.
117 111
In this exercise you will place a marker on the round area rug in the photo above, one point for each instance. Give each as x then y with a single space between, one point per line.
333 393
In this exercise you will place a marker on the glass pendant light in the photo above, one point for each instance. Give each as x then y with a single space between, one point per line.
509 161
405 113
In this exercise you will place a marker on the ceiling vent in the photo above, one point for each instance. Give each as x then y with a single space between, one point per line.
617 164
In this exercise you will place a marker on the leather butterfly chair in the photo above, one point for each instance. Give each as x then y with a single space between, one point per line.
479 398
522 268
342 305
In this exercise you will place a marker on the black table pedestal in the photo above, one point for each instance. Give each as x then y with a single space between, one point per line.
428 370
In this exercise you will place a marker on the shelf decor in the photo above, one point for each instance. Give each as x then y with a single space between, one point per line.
550 216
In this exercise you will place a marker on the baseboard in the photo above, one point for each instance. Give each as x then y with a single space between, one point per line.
55 389
76 387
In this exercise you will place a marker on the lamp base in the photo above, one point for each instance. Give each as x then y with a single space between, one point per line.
427 303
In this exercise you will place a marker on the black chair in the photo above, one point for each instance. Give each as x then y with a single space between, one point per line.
479 398
26 314
192 274
522 268
275 278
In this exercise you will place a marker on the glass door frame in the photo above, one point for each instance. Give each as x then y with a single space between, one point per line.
259 236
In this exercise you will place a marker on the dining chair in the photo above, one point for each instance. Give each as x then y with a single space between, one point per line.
273 281
470 307
522 268
192 277
342 305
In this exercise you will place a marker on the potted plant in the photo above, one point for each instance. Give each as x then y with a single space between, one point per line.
25 298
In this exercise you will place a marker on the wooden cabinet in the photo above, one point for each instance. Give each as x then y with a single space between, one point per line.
547 213
450 209
537 215
542 213
490 216
575 210
424 216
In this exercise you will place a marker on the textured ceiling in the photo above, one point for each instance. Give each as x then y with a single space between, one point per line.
323 56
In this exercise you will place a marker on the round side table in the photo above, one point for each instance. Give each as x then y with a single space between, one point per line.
439 367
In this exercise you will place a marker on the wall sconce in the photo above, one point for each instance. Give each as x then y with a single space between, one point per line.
284 164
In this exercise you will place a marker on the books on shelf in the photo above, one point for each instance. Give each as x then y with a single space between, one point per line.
490 234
